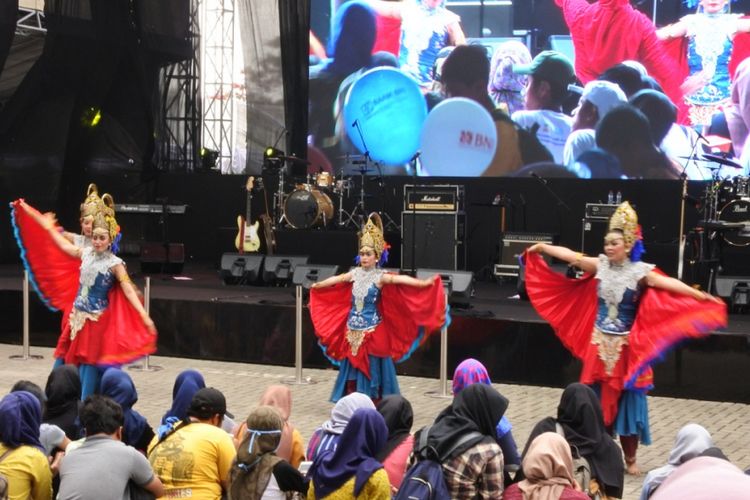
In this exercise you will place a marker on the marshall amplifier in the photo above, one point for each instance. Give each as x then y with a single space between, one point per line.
599 211
512 245
433 198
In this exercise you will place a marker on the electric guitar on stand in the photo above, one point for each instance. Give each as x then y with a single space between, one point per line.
247 239
268 228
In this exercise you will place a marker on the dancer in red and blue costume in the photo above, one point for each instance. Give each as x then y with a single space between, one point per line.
104 323
619 319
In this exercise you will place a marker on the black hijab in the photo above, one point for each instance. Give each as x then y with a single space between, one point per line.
478 407
580 415
63 392
399 417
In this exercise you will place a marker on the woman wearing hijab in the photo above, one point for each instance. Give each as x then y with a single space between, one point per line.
399 417
22 458
474 469
548 467
63 391
580 416
505 87
290 448
326 437
352 471
187 383
470 371
705 478
119 386
258 472
691 441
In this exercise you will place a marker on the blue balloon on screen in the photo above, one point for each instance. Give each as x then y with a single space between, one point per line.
389 110
458 139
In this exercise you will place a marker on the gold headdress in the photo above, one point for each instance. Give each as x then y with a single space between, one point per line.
626 220
90 205
372 234
104 218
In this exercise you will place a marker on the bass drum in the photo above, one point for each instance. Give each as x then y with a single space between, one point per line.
736 211
306 208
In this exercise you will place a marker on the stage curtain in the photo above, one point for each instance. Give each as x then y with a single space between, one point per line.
259 99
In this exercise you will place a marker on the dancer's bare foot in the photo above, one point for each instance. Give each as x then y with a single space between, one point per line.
631 467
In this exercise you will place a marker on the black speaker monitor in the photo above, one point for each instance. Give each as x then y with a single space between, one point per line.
488 18
240 268
459 284
279 269
307 274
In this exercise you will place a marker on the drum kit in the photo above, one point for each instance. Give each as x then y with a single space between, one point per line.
320 199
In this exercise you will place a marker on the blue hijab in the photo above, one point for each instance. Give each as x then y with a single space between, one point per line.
20 418
360 442
119 386
186 385
352 39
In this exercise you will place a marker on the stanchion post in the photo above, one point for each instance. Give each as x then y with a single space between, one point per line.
146 366
443 392
298 379
26 348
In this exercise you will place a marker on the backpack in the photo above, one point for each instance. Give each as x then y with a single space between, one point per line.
582 470
424 480
4 480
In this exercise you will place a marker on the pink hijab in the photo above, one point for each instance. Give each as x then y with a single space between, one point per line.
280 397
548 467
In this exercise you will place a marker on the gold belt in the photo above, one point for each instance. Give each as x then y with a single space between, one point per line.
77 320
356 338
610 348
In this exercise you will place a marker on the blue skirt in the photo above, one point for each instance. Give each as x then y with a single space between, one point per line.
382 381
632 416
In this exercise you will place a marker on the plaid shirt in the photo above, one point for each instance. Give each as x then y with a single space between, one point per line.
476 473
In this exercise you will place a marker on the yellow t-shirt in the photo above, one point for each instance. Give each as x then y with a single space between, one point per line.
27 470
193 461
376 488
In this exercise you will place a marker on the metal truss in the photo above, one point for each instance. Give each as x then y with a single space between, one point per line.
30 18
178 132
217 64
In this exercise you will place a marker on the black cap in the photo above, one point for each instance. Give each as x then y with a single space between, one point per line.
207 402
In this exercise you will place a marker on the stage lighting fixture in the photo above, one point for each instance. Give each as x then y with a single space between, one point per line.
91 117
272 153
209 158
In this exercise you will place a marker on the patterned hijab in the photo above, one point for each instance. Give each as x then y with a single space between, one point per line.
468 372
504 85
256 459
548 468
354 457
20 418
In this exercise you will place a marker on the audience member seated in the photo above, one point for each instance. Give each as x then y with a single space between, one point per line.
691 441
118 385
548 468
597 163
327 436
738 113
550 73
465 73
399 417
199 442
659 111
507 88
23 461
63 392
474 469
352 469
291 447
625 133
625 76
51 436
705 478
103 466
258 472
597 99
580 416
468 372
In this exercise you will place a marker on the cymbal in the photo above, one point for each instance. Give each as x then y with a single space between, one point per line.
722 160
720 224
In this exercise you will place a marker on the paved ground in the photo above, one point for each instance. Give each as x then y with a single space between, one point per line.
728 423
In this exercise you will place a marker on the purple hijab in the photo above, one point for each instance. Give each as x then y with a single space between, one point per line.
468 372
20 418
186 385
360 442
119 386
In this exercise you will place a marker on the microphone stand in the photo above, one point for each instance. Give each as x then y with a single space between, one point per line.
551 191
415 196
681 249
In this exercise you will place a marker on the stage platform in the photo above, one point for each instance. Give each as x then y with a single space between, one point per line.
198 316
